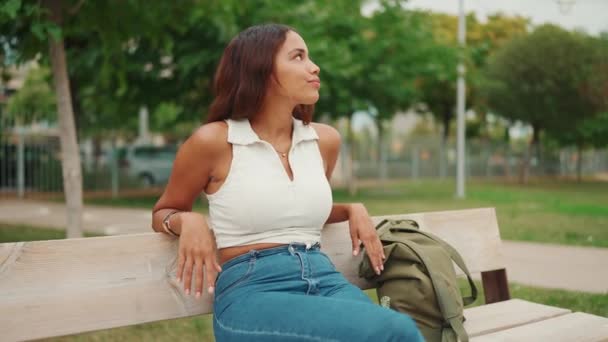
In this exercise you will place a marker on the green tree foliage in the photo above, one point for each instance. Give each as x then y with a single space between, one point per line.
438 88
548 79
107 44
483 40
35 101
537 78
122 57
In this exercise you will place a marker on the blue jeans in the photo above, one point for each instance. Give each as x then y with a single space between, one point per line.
294 293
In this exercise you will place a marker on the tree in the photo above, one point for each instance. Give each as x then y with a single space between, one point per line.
592 129
70 154
537 79
396 49
33 28
438 87
483 40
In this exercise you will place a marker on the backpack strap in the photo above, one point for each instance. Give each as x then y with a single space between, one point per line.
458 328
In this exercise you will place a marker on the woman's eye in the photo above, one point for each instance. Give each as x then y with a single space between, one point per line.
299 57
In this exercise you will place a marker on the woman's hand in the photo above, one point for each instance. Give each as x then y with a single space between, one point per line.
197 249
362 230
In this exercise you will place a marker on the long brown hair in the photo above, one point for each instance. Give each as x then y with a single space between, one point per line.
243 74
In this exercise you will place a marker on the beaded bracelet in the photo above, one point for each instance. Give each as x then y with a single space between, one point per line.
166 225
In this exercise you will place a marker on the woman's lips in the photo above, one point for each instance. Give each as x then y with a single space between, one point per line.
316 84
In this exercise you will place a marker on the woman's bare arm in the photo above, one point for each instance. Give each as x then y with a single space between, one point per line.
329 144
361 227
190 174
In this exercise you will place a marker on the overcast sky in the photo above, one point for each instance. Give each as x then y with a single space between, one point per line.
590 15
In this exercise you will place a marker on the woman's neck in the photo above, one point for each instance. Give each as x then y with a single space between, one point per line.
274 122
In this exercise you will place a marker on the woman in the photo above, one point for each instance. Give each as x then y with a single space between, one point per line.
264 167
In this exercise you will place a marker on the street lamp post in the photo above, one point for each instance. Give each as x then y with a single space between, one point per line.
460 104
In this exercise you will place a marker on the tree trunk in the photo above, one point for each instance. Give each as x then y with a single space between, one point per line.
382 157
483 124
524 166
97 152
76 106
579 163
442 154
70 156
532 149
445 133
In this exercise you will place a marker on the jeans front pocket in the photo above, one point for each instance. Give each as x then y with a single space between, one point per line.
235 275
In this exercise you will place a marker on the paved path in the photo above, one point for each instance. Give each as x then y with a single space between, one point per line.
543 265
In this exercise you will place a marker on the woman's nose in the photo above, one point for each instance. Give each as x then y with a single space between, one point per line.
314 68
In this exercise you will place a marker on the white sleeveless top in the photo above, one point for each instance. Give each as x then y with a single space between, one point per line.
258 202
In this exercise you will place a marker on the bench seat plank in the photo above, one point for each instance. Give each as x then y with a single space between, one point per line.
578 326
494 317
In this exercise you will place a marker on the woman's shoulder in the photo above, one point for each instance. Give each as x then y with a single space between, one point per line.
327 134
210 138
211 130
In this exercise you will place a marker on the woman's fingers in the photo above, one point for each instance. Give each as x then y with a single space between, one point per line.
211 276
188 274
198 276
354 238
375 253
197 257
204 270
181 260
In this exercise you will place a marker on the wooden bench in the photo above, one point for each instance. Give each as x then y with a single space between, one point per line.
61 287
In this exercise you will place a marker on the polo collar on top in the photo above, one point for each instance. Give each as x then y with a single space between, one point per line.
241 133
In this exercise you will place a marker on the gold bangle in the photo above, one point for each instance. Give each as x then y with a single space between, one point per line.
167 226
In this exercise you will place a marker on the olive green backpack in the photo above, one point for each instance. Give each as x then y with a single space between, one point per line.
419 279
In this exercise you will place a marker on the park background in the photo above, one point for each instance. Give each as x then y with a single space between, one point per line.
137 82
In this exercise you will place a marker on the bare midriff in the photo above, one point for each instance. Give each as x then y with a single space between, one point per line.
228 253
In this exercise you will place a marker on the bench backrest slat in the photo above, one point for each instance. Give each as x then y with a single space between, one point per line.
59 287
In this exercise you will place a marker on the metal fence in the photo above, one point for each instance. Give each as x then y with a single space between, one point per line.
30 164
483 160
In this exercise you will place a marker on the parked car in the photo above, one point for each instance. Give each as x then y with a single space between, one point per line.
151 165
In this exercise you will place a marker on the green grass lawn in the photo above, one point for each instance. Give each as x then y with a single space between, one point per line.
562 212
15 233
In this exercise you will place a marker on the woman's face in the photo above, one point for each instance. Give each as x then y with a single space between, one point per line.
295 75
